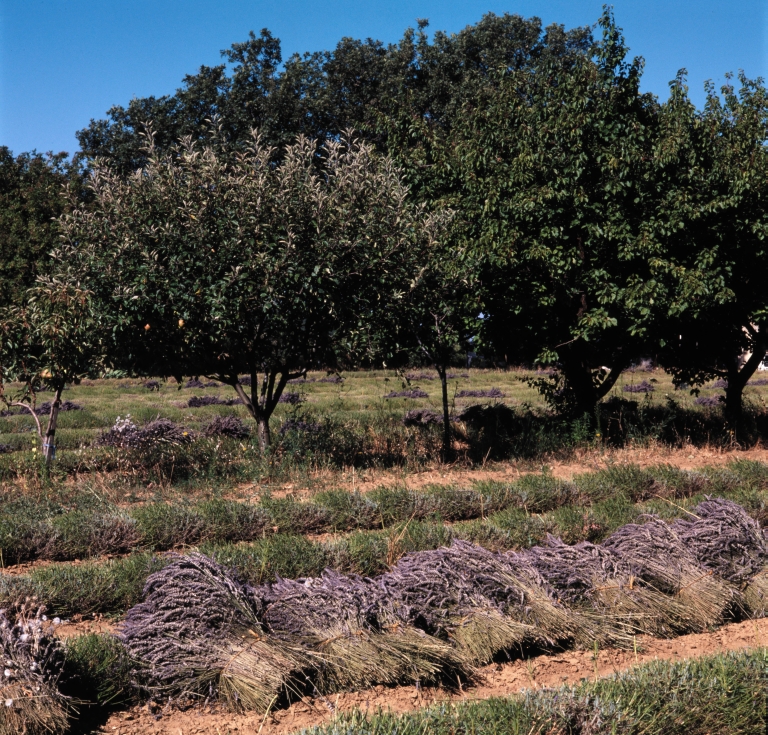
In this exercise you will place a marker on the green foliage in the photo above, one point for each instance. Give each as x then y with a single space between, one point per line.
256 269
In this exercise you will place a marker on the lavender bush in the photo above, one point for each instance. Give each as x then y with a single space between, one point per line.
422 417
719 384
708 401
419 376
642 387
230 426
152 385
45 408
412 393
335 379
292 399
292 424
200 401
481 393
124 433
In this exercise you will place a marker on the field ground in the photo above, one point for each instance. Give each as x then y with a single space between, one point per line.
308 511
359 398
497 680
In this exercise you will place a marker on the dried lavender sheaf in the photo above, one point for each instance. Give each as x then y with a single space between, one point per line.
725 539
33 658
658 556
197 632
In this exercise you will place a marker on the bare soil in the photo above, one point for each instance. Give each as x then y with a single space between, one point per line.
549 670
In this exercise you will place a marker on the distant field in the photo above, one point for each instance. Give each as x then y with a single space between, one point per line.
358 399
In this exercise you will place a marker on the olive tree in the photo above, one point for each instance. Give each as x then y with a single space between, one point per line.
220 262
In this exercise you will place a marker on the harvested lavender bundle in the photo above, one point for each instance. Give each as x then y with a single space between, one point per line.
197 633
425 589
336 616
727 541
32 664
724 539
657 555
589 574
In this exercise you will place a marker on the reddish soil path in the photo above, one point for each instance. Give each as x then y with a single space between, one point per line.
550 670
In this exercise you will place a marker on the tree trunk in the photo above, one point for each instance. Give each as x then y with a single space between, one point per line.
587 394
49 442
737 381
261 403
447 443
262 427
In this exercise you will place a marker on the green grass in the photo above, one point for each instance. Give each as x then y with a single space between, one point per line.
714 695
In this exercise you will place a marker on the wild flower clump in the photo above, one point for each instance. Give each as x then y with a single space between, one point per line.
481 393
413 393
642 387
197 634
230 426
124 433
200 401
32 662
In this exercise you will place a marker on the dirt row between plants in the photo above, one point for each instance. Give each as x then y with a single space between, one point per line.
496 680
581 461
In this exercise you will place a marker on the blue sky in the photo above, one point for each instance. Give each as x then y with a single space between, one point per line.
63 62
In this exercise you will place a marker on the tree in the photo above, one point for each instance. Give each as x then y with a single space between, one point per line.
52 340
219 263
32 197
553 168
713 218
323 93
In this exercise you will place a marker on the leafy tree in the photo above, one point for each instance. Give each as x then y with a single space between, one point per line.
553 174
209 262
52 340
323 93
32 196
713 218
